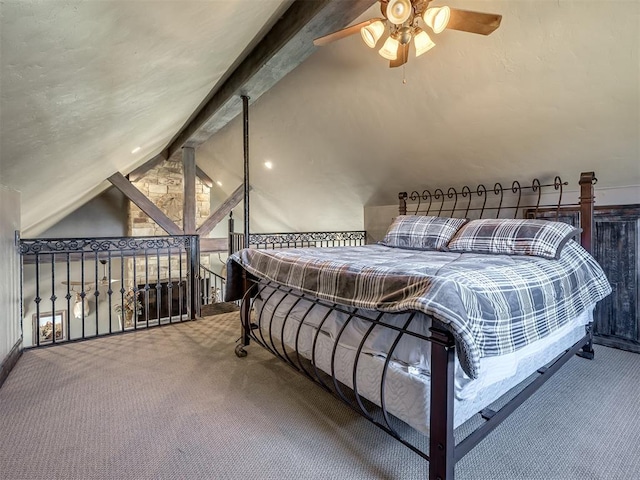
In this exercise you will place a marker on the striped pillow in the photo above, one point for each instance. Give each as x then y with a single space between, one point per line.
541 238
417 232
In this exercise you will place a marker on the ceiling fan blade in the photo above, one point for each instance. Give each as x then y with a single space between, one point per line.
473 22
340 34
403 56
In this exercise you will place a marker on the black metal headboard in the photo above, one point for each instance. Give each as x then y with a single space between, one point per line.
485 202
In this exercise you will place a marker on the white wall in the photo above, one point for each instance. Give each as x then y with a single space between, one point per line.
553 91
103 216
10 334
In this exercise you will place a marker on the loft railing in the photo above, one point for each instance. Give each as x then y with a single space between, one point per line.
298 240
212 286
79 288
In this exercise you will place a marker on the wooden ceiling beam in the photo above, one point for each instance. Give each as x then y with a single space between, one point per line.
147 206
283 48
204 178
222 211
149 165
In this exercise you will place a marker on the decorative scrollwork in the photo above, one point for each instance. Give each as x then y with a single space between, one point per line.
96 245
478 199
293 239
516 189
426 196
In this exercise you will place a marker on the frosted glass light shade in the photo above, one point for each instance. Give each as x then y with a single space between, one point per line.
372 33
437 18
398 11
423 43
390 49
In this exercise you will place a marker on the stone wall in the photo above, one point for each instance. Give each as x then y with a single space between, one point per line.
163 186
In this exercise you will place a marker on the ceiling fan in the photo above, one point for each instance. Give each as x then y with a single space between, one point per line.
406 21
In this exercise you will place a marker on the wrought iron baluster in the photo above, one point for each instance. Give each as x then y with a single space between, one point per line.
96 291
158 286
53 299
170 288
37 300
123 318
135 292
82 294
109 291
68 295
180 284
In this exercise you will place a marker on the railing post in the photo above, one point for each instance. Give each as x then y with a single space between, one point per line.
193 256
231 232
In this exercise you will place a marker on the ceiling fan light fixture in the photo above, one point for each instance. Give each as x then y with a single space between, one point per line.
372 33
390 49
399 11
422 42
437 18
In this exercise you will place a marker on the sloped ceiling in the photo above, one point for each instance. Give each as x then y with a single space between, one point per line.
83 83
555 90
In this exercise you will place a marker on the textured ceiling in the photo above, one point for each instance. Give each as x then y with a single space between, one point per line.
85 82
556 89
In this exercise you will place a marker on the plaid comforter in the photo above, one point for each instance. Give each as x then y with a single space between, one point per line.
493 304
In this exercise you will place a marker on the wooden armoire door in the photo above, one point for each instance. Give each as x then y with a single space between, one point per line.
616 247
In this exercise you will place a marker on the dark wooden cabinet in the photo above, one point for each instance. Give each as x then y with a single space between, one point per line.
617 249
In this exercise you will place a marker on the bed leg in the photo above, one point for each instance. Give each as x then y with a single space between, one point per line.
441 440
587 350
245 319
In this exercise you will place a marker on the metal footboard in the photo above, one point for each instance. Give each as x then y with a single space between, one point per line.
296 340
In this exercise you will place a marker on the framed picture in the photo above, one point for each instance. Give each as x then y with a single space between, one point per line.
49 323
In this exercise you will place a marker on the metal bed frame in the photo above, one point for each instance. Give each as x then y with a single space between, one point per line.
443 452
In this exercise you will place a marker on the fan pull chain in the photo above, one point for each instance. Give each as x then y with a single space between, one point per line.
404 77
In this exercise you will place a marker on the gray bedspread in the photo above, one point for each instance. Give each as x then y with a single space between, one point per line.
493 304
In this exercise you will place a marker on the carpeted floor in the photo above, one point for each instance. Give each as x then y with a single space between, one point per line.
175 402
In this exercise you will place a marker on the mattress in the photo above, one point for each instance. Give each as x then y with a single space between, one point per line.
407 381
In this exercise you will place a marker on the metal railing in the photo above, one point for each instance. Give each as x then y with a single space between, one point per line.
79 288
298 240
212 286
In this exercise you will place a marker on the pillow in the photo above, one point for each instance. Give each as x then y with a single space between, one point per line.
541 238
417 232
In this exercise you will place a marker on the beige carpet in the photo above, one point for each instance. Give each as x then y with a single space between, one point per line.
175 402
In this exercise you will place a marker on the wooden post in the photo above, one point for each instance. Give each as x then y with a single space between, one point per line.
189 184
587 181
441 440
402 203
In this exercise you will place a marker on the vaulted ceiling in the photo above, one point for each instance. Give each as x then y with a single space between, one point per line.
90 88
83 83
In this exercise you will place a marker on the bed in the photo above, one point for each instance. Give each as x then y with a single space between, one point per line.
445 316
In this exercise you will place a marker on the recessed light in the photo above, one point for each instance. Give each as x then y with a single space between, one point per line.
136 150
269 165
219 183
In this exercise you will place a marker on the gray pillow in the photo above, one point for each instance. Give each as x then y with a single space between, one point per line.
417 232
541 238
